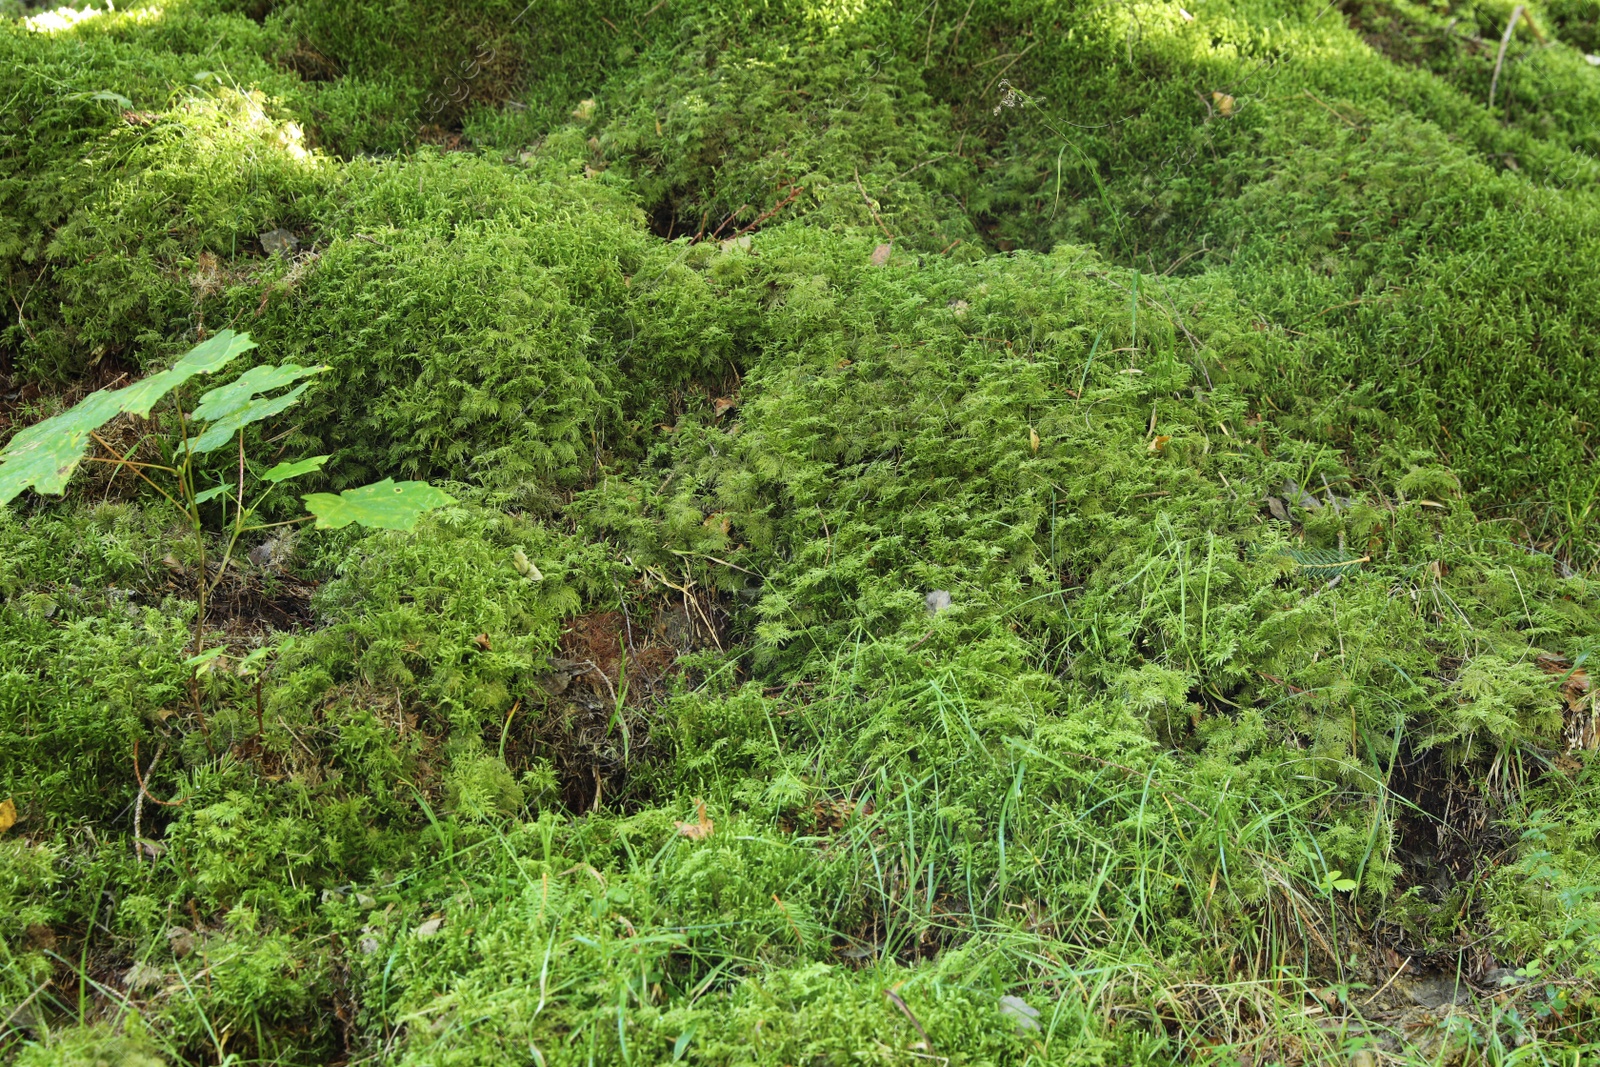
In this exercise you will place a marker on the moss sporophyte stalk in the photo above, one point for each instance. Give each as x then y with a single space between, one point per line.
994 532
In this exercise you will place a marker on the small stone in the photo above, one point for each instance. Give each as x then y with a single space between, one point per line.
1292 492
937 601
1023 1016
1500 977
279 242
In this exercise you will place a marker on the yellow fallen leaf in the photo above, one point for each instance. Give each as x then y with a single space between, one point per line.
1224 103
1033 439
8 814
697 831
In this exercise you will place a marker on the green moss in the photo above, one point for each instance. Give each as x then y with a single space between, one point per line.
1131 464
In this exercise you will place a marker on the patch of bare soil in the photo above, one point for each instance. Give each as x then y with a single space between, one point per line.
592 714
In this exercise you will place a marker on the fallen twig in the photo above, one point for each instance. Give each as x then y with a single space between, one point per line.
1505 40
871 207
794 195
139 776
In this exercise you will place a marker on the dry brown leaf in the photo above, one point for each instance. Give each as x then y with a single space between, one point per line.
181 940
697 831
881 254
721 404
8 814
1033 439
1159 442
482 641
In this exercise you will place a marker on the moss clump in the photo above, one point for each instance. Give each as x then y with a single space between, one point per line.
1003 532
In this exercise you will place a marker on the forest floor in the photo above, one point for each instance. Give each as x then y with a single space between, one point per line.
986 532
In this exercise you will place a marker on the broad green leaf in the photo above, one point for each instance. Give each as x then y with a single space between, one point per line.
221 432
214 491
207 357
224 400
205 660
45 454
256 658
388 505
284 471
214 353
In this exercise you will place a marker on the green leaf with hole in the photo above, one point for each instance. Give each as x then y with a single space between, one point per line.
387 505
221 432
284 471
45 454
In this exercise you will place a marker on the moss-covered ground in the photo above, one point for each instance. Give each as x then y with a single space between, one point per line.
989 532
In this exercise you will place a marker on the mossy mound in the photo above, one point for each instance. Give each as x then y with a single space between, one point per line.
1002 532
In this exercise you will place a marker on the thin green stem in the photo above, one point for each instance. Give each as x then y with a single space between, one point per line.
185 474
285 522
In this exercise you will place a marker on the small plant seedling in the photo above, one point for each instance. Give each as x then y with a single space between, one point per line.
1335 882
44 456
